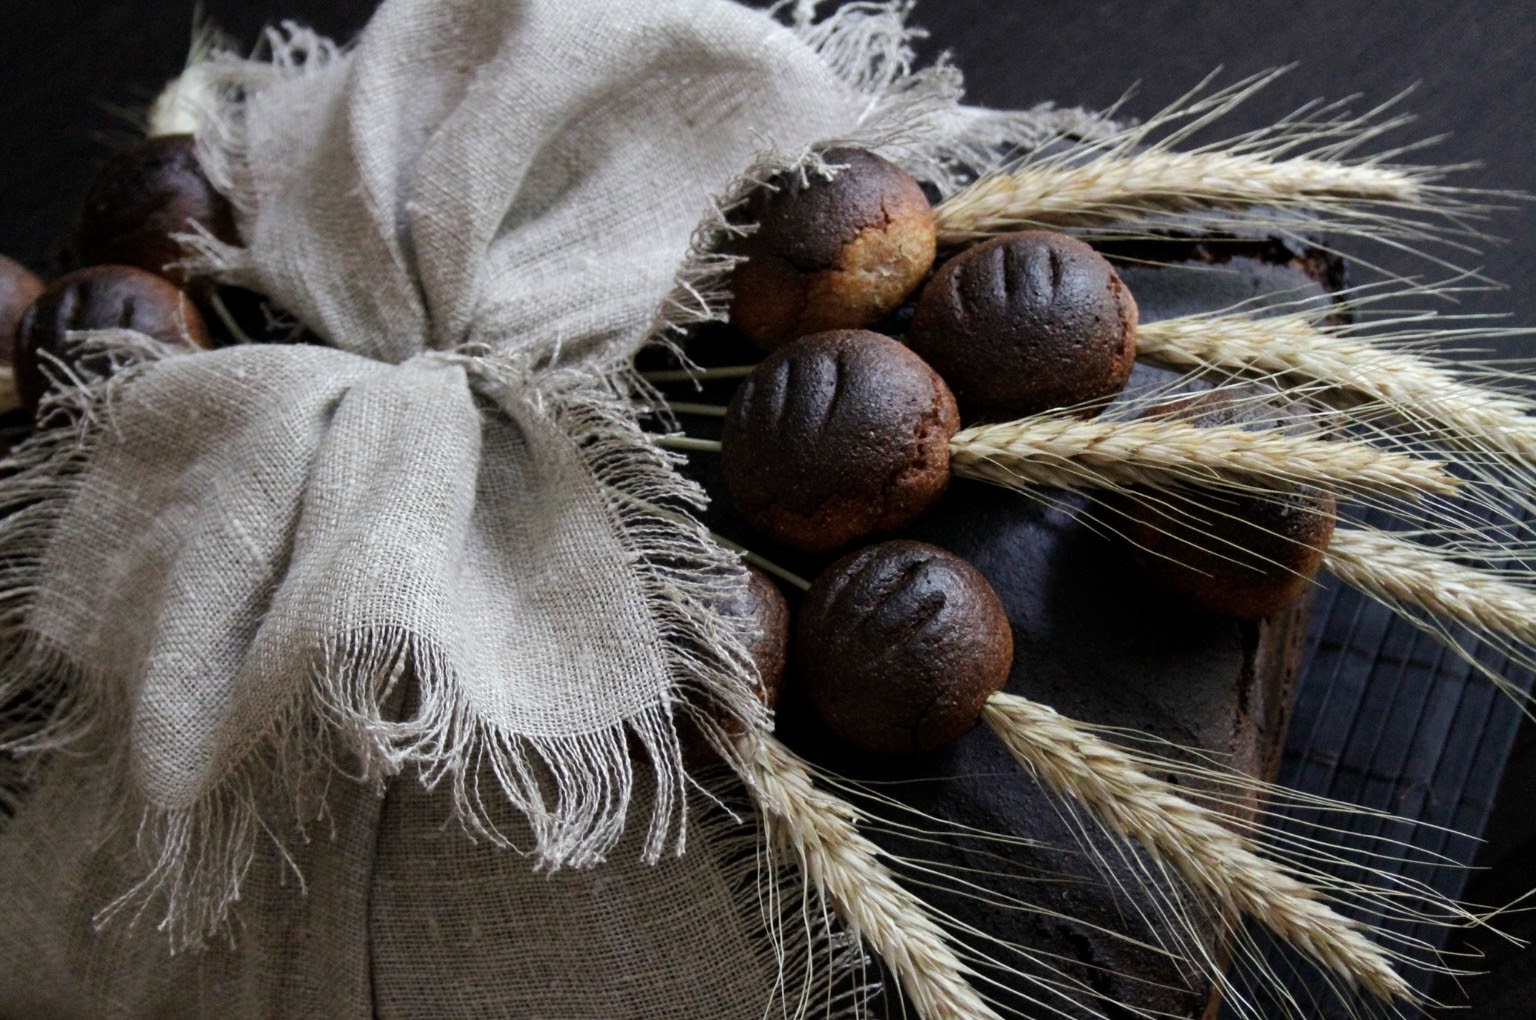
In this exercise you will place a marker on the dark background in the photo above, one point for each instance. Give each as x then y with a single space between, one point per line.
1383 718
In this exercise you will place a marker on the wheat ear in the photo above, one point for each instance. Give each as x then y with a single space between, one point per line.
1293 346
1076 764
1068 452
1406 573
1113 189
1307 164
821 830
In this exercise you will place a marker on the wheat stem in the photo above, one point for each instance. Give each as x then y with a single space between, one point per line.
1068 452
687 444
761 562
697 410
228 319
1116 188
10 397
1076 764
681 375
1292 346
1403 572
820 829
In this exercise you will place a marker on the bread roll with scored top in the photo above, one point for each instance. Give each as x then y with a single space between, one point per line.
1098 642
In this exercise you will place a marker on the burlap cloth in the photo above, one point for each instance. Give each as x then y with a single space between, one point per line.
363 665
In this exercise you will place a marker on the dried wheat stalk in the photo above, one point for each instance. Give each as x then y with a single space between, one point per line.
1068 452
820 829
10 398
1293 346
1405 573
1076 764
1120 188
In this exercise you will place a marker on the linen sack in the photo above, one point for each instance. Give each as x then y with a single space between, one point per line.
347 679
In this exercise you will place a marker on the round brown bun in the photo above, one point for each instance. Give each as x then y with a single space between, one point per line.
100 297
759 615
836 437
831 254
899 646
1230 553
19 287
144 196
1025 323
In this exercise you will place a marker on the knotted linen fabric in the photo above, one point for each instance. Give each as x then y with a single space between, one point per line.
248 579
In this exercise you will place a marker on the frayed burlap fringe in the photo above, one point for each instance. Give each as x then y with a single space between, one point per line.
353 720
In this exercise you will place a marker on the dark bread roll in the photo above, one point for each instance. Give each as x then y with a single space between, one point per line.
899 645
19 287
141 198
1027 322
759 614
1097 642
1229 553
100 297
831 254
835 437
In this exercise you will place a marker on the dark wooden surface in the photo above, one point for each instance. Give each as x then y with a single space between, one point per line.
1385 717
